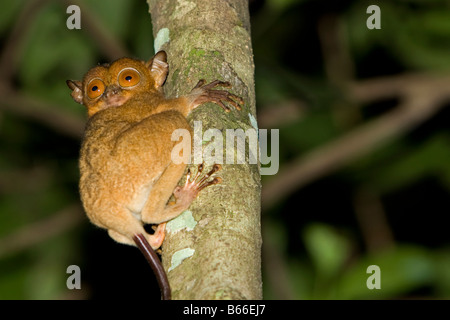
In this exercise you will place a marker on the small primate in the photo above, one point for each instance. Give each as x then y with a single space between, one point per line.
127 175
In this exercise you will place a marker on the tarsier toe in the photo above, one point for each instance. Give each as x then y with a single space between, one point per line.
239 99
234 103
216 167
223 106
225 84
200 83
216 180
217 83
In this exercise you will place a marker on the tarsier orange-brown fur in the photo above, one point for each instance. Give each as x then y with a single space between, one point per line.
127 175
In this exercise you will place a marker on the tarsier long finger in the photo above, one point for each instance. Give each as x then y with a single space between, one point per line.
127 175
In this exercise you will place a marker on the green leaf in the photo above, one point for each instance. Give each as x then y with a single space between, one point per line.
328 249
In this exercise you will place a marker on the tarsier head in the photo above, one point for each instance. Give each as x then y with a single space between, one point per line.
111 85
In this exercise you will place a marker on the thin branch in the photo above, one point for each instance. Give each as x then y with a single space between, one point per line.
372 221
423 97
338 63
403 85
24 180
42 112
33 234
285 112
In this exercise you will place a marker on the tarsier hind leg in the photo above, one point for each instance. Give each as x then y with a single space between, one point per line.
161 192
184 195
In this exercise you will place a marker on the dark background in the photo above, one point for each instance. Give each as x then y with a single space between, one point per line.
321 76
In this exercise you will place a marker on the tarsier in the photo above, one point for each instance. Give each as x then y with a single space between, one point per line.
127 175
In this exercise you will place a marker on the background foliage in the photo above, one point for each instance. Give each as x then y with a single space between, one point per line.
322 77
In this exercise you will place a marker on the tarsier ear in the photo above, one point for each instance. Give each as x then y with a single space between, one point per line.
159 68
77 92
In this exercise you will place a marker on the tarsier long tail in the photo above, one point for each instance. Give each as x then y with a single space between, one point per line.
155 264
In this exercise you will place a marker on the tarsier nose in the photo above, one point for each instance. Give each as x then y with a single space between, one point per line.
112 90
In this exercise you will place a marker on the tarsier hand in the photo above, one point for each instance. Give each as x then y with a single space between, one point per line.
207 94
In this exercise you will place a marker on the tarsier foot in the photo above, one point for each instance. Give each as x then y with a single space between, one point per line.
190 190
217 96
157 238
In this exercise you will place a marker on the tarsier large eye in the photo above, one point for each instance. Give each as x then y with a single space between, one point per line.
95 88
129 77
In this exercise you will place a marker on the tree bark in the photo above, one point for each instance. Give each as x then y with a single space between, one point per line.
213 250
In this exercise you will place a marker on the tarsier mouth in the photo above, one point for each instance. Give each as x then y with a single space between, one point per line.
114 100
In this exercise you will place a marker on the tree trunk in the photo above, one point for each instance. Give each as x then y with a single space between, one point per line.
213 250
